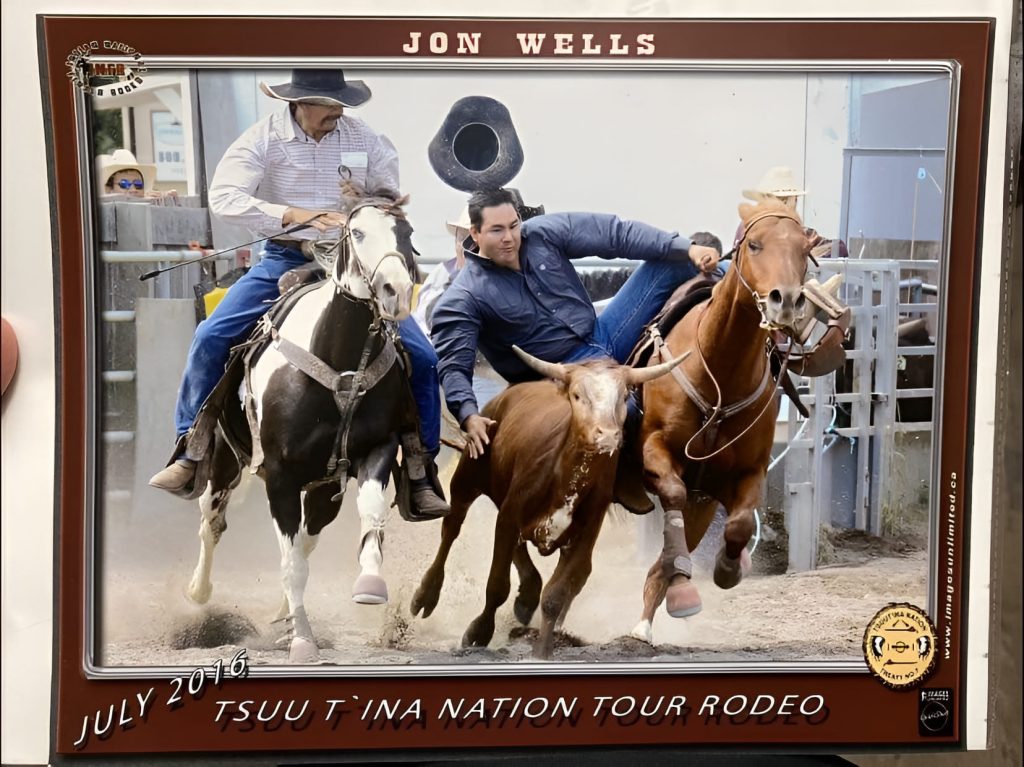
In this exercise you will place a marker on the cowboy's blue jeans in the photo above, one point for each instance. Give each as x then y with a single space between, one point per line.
236 316
619 326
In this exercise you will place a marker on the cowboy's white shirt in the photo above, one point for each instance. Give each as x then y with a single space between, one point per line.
274 165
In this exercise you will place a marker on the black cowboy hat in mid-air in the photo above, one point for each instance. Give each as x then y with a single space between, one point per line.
477 145
323 85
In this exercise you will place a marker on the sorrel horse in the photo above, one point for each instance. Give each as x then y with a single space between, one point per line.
707 430
324 394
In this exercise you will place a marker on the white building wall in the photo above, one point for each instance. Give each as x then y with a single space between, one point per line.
671 148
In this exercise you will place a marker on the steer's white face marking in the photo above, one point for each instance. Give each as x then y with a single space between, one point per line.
374 243
598 400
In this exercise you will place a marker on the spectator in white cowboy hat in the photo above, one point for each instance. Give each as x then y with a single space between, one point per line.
121 173
286 170
443 274
780 184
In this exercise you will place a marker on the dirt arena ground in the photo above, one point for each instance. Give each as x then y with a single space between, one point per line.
150 549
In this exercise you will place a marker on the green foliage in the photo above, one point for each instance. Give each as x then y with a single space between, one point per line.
108 133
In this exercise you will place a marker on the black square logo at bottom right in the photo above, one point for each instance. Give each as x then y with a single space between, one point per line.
935 712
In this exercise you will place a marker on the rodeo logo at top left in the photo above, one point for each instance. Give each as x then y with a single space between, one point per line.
106 68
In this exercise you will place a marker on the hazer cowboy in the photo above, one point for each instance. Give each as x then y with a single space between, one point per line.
282 172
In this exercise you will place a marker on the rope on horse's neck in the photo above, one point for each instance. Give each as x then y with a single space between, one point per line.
714 417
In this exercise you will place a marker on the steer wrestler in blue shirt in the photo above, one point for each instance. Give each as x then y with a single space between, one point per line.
520 288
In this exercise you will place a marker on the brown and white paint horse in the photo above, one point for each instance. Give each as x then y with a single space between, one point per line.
343 321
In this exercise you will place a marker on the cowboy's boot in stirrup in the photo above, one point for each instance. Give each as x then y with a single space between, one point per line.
175 478
427 496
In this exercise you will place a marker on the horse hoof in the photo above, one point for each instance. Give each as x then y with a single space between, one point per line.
303 651
423 601
729 572
643 632
200 594
542 653
682 600
478 634
523 612
369 590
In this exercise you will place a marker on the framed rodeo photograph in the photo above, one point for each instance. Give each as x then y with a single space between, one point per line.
436 384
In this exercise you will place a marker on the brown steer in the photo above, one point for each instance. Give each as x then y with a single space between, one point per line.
550 470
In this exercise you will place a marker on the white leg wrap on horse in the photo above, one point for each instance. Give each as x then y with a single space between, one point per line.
373 509
370 587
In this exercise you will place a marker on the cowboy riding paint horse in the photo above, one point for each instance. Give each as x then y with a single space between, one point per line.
326 399
707 430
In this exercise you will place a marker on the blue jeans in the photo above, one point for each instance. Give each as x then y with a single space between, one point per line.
236 316
619 326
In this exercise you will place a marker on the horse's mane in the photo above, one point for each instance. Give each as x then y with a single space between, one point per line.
353 194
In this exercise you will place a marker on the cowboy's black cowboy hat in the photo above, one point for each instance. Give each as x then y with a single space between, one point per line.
477 146
323 85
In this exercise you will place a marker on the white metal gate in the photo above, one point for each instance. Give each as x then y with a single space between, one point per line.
866 394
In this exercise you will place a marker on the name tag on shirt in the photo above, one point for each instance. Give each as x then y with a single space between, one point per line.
355 161
353 167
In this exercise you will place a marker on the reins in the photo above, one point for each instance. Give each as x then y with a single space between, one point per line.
347 387
715 414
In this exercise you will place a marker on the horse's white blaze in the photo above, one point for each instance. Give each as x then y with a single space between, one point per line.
375 245
298 328
373 509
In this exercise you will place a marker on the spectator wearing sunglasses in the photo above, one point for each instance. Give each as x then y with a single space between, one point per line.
121 174
128 181
124 176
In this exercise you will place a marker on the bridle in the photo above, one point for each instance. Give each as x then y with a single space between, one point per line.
760 301
350 261
715 414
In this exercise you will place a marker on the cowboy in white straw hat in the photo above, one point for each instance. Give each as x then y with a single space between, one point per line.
284 171
779 183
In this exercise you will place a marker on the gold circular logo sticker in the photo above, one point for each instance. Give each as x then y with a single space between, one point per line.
899 646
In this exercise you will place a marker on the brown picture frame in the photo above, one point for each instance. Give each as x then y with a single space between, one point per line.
859 710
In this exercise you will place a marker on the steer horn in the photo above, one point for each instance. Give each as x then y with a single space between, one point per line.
639 376
547 369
